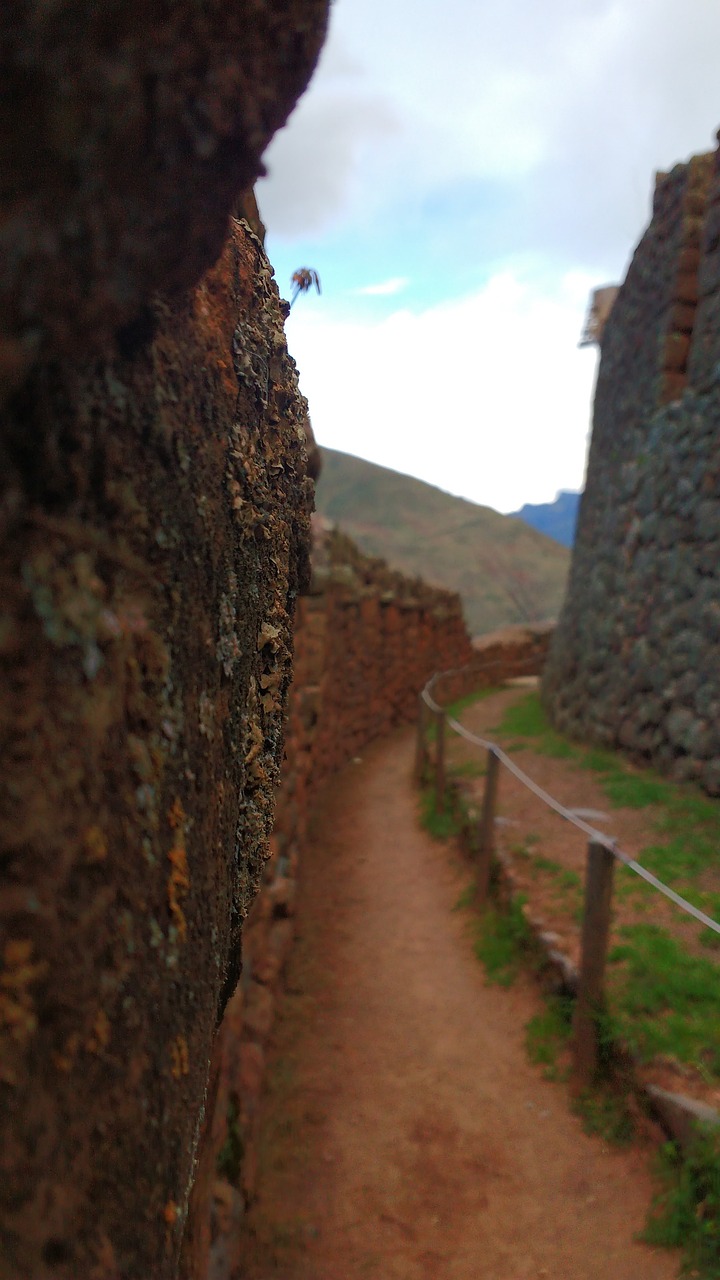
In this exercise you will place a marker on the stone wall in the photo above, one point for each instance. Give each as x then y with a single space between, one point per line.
367 640
634 659
146 645
154 508
511 652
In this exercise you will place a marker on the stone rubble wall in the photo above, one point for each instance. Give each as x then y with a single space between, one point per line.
634 661
518 650
367 640
154 533
155 540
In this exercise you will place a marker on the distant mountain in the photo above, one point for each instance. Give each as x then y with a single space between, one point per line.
504 570
555 519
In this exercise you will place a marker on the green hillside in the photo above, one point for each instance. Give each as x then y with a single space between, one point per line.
504 570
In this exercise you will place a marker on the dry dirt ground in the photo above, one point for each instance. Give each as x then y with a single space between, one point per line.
406 1135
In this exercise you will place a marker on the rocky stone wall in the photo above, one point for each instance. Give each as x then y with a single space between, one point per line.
367 640
154 520
511 652
154 508
634 659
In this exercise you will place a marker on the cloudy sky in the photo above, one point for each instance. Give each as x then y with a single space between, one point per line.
460 175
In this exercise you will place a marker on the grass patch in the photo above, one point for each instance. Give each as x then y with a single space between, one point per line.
547 1035
606 1115
564 877
661 999
441 824
526 719
455 709
664 1000
686 1210
472 768
466 899
504 942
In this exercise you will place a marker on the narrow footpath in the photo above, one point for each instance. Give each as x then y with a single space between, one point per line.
406 1134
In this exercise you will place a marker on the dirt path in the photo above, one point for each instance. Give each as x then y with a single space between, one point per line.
407 1135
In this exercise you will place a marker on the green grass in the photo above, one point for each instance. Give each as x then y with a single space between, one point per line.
465 899
686 1211
687 821
456 708
547 1034
564 877
605 1114
504 942
604 1109
663 1000
441 824
472 768
526 719
523 848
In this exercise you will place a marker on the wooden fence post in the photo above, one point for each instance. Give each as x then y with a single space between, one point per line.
440 762
486 842
421 743
595 935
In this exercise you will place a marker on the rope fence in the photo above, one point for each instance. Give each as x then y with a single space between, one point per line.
602 854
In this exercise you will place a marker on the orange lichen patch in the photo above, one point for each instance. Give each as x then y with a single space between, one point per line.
176 814
100 1036
180 1057
18 973
95 845
18 1019
256 743
179 878
171 1214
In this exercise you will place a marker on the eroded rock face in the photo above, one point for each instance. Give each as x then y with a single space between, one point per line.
126 133
154 513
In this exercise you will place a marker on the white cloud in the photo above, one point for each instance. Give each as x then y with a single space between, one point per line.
487 396
569 107
384 289
442 142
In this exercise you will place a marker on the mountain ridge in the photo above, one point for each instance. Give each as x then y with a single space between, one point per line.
557 520
504 570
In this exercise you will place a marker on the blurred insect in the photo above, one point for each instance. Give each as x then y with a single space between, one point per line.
302 280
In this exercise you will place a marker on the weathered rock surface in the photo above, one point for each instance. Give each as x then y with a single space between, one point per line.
634 659
154 519
154 509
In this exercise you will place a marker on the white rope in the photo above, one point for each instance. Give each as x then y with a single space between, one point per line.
552 803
